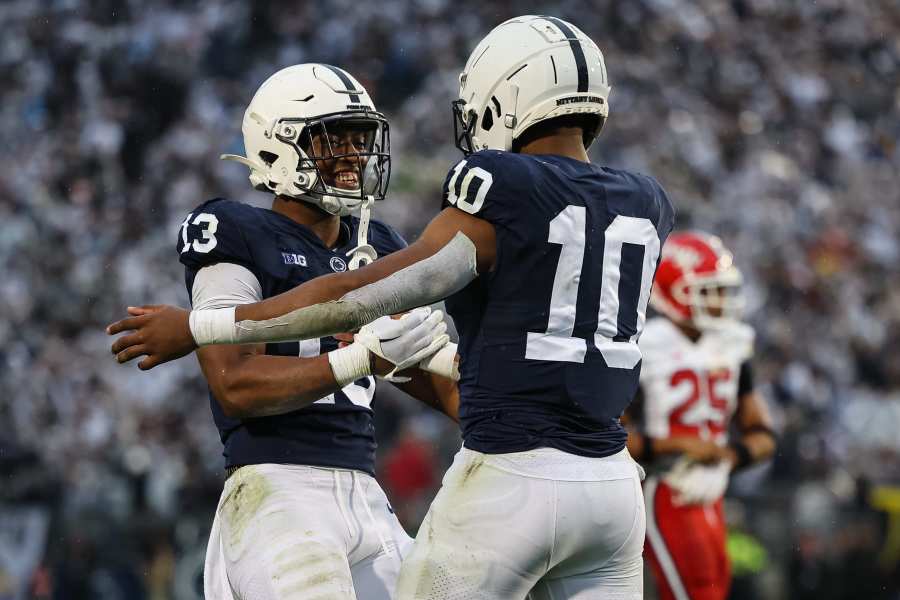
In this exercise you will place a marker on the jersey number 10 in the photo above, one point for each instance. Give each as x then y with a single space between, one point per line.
619 350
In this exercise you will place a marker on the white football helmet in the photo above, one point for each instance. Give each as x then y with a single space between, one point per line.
287 111
527 70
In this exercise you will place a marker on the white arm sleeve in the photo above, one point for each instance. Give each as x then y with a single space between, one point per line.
432 279
223 285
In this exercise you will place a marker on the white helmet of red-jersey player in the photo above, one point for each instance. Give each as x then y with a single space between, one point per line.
527 70
287 110
696 281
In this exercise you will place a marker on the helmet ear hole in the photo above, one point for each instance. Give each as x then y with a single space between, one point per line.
487 121
268 157
496 105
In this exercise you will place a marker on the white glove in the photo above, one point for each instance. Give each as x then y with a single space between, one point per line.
695 483
407 341
443 362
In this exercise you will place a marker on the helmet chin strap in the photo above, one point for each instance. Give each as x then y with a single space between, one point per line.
363 253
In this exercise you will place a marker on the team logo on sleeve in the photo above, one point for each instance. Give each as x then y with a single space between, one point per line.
337 264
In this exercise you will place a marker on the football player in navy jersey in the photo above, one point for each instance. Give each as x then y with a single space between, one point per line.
546 262
296 419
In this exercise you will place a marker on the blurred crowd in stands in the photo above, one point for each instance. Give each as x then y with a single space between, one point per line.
774 123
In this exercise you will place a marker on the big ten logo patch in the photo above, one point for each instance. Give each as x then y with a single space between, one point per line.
293 259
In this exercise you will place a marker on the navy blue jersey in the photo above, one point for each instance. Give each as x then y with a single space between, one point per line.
336 431
548 339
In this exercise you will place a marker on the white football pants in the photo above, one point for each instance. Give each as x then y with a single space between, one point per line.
296 532
543 522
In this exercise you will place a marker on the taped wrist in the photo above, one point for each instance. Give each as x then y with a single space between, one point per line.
350 363
212 326
443 363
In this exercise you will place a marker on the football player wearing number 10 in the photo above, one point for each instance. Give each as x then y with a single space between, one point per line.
546 262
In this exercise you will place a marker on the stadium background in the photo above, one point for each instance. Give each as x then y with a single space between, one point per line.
771 122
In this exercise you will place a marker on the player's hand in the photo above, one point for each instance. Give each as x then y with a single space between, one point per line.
694 483
444 362
380 366
702 451
161 332
406 341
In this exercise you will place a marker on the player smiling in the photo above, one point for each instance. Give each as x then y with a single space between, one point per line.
547 261
295 419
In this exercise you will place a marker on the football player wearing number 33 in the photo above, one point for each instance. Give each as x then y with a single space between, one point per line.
546 262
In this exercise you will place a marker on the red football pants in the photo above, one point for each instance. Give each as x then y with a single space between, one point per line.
685 546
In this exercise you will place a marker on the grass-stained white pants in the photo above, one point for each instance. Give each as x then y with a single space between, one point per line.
296 532
541 524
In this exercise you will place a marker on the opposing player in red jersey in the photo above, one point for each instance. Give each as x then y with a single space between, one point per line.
696 385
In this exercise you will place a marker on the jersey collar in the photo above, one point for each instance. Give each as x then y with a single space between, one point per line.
345 231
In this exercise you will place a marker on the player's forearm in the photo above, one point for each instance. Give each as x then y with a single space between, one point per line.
757 439
265 385
327 288
440 393
454 248
753 447
453 233
401 282
316 291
